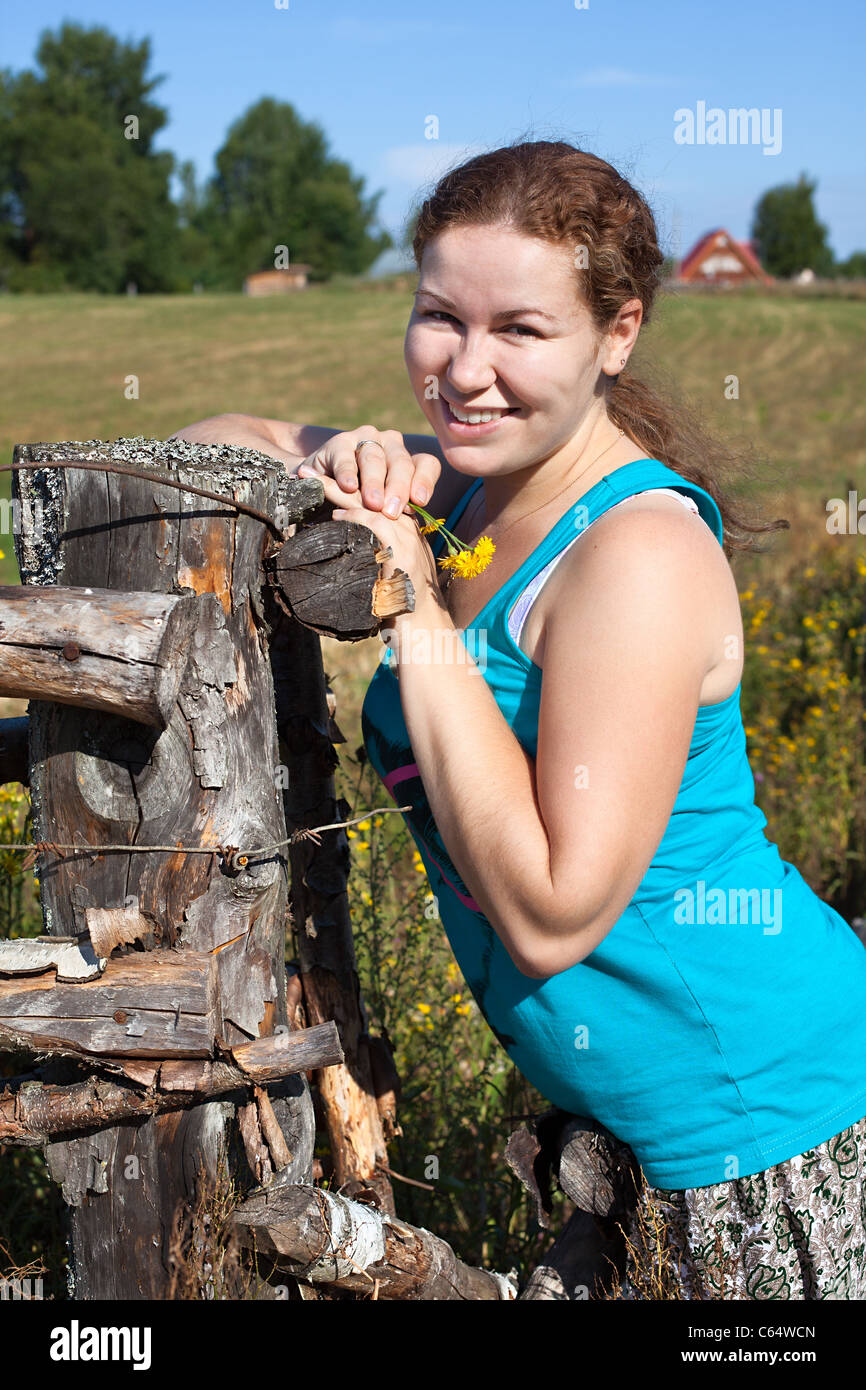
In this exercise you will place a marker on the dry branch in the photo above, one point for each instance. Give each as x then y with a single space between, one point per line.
323 1238
32 1113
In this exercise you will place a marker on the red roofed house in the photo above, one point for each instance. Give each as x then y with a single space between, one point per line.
717 259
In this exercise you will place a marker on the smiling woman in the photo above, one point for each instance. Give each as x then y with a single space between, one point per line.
569 793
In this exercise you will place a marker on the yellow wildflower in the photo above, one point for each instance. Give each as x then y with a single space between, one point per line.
466 564
424 1008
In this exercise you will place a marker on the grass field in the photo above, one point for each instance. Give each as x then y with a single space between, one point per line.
333 356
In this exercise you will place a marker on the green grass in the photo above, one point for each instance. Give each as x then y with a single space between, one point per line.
332 355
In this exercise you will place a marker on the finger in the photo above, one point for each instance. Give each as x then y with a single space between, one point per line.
372 467
427 472
334 493
401 469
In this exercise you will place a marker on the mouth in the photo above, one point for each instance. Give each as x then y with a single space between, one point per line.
475 426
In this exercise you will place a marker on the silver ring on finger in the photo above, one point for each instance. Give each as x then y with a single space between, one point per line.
361 442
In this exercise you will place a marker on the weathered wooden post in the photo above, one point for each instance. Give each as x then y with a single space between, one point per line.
153 723
178 719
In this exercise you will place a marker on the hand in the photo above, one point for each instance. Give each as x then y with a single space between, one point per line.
387 472
410 550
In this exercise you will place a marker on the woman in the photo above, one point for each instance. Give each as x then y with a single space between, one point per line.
567 728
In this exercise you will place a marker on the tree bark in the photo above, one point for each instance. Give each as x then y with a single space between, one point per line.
206 777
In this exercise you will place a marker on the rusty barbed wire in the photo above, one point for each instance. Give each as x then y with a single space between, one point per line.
98 466
236 858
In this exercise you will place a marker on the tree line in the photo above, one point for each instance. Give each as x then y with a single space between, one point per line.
85 200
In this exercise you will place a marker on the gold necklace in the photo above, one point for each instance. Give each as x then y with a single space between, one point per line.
450 574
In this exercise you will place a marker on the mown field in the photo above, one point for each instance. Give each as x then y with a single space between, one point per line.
333 356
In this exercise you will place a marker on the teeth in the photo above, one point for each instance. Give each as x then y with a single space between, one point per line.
475 417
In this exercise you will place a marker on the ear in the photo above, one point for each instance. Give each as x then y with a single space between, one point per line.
621 337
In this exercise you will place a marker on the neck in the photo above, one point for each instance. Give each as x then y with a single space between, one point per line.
512 495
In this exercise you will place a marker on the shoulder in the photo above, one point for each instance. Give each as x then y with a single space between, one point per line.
650 533
649 562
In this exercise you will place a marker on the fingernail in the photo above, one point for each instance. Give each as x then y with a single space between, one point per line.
393 506
421 495
375 496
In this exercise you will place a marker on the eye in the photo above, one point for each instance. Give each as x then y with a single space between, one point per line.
437 313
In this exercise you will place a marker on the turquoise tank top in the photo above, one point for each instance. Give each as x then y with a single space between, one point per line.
720 1026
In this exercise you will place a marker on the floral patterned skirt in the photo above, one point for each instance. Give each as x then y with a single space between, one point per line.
794 1231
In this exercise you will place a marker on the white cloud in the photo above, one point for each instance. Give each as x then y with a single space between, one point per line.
617 77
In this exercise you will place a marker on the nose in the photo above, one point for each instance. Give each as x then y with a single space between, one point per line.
470 370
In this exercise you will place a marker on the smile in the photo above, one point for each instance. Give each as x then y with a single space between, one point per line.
480 416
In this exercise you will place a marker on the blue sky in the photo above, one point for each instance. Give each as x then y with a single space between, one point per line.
609 77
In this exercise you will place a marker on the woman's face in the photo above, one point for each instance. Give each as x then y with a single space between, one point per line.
461 350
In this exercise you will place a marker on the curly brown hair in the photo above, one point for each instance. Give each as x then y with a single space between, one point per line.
554 191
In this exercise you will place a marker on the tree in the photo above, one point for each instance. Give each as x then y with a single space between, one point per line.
83 205
854 268
277 185
787 234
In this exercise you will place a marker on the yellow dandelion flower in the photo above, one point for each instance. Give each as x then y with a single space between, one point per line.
432 526
424 1008
484 550
795 663
466 564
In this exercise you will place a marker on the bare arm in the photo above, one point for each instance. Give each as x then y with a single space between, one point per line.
248 432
